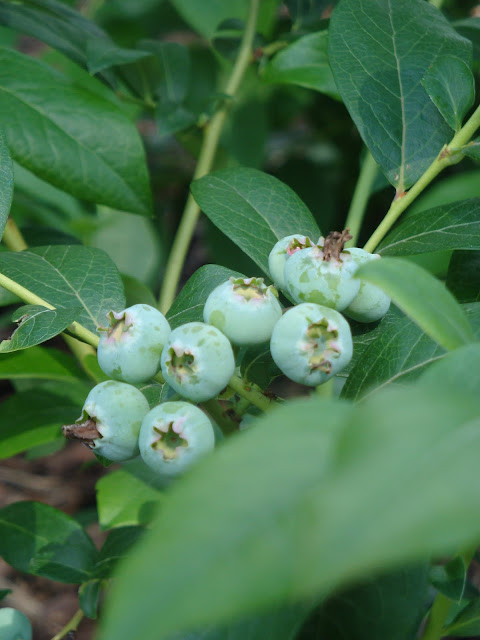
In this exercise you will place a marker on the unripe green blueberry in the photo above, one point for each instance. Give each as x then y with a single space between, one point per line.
14 625
173 436
131 348
198 361
370 303
311 343
323 274
281 252
244 309
110 421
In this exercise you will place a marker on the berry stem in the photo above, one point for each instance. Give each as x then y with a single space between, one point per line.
250 393
448 156
217 413
361 194
206 158
12 237
71 625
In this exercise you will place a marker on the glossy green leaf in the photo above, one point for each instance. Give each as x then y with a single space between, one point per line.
319 518
304 63
38 539
118 544
258 366
125 500
458 370
253 209
97 155
379 52
39 362
390 606
6 183
38 324
463 278
188 305
173 70
451 226
422 297
103 54
458 186
450 84
68 276
35 417
467 623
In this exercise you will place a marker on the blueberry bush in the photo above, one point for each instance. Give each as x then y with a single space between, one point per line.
240 262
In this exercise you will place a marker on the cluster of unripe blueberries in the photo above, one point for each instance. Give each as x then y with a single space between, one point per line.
310 342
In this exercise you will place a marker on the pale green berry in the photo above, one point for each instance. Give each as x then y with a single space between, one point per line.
370 303
198 361
310 277
244 309
173 436
311 343
110 421
281 252
14 625
131 348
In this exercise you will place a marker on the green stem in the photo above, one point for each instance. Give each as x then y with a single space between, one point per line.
435 627
226 424
71 625
326 389
363 188
443 160
78 330
12 237
247 390
205 162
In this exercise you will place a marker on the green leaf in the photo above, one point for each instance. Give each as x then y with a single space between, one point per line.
173 72
390 606
39 362
258 366
38 324
38 539
103 54
282 624
88 596
379 52
204 17
451 226
6 183
116 547
467 623
398 355
472 149
422 297
53 23
451 580
4 593
124 500
67 276
450 84
188 305
253 209
34 417
463 278
348 490
459 186
97 155
458 370
470 28
172 118
304 63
